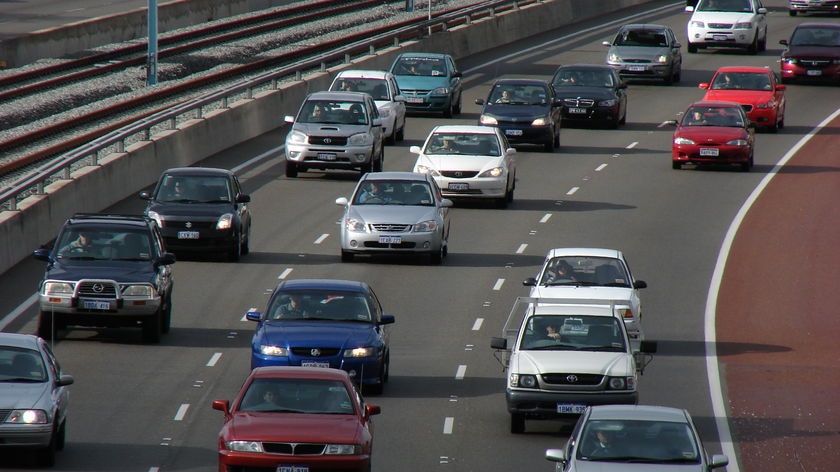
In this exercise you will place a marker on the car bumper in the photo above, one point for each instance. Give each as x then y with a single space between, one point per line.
472 188
643 71
527 134
826 6
539 404
408 243
25 435
206 240
817 73
721 39
108 307
430 103
726 155
593 114
230 461
325 157
366 371
763 116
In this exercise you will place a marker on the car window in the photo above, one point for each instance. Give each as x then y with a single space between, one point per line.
92 243
193 189
393 192
421 66
640 37
584 270
573 332
645 440
815 37
320 305
21 365
311 396
725 5
741 81
376 88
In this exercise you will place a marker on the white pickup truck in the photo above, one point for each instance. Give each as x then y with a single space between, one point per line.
562 355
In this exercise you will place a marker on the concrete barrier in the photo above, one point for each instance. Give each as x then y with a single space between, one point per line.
97 187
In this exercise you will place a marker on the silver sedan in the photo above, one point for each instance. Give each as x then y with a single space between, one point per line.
395 212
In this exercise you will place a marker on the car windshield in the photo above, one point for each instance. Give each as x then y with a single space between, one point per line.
584 78
333 112
725 5
193 189
21 365
585 270
573 332
424 66
97 243
641 37
394 192
741 81
506 94
480 145
319 305
829 37
376 88
638 441
713 116
312 396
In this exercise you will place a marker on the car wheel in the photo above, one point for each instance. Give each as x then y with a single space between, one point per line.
456 109
549 145
753 47
246 241
235 250
746 166
151 328
692 48
46 457
448 112
380 162
346 256
676 165
762 45
781 121
436 258
401 132
167 315
517 423
46 327
291 170
366 168
61 436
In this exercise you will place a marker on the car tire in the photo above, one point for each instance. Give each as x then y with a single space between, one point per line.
792 12
346 256
46 457
509 195
46 326
753 47
456 109
378 388
746 166
676 165
380 162
781 121
549 145
436 258
151 328
235 251
246 241
166 321
447 113
61 436
401 132
762 45
291 170
517 423
692 48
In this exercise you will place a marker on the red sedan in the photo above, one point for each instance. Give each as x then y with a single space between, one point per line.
297 419
713 133
758 89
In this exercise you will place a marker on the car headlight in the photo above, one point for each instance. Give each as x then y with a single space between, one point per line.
770 104
441 91
494 172
744 25
421 169
426 226
360 139
58 288
663 59
541 121
697 24
613 57
244 446
360 352
297 137
835 61
488 120
683 141
523 380
608 103
27 417
276 351
138 290
355 225
384 113
738 142
156 217
621 383
225 222
342 450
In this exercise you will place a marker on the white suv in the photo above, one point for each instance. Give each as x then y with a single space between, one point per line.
382 86
727 24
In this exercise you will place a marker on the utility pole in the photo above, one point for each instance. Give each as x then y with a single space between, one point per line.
152 60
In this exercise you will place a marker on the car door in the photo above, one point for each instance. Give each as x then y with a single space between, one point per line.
761 20
399 105
620 90
454 81
676 55
241 206
375 124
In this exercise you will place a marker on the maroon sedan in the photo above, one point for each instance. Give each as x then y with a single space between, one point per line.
812 54
712 132
296 419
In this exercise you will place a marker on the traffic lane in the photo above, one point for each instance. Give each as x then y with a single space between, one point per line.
777 328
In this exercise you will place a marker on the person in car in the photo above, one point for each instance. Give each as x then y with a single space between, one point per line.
293 308
81 245
373 192
696 118
504 97
317 114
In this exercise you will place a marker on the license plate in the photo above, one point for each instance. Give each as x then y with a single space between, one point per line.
719 37
414 99
292 468
513 132
458 186
187 234
390 239
326 156
636 68
579 111
709 152
571 408
813 73
314 364
96 305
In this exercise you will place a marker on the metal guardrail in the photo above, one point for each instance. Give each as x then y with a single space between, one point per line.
143 130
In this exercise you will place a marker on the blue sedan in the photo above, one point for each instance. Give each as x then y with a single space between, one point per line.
324 323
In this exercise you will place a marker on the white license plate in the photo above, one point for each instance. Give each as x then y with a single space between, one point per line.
513 132
390 239
458 186
96 305
326 156
292 468
570 408
314 364
414 99
719 37
187 234
580 111
709 152
636 68
813 73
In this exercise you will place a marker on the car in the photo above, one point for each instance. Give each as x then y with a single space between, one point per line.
335 130
713 133
526 110
382 86
201 210
812 54
592 273
395 213
645 51
430 82
296 419
325 323
106 270
813 6
591 93
613 438
562 355
758 89
478 164
727 24
34 398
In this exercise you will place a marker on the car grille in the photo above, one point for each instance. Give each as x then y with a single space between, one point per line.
720 25
747 108
579 102
402 245
414 93
459 174
637 61
391 227
573 379
189 224
294 449
97 289
307 351
328 140
3 415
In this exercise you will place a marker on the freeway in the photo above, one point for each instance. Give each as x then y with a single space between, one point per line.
140 407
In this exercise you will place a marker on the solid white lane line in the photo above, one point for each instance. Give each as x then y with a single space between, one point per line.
214 359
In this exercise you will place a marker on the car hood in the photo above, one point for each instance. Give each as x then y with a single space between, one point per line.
459 162
711 134
579 362
293 427
23 395
752 97
596 466
639 52
330 129
514 112
722 17
399 214
324 333
120 271
190 209
579 91
423 82
816 52
614 294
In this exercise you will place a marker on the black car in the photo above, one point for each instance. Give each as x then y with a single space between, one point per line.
106 271
201 209
526 110
591 93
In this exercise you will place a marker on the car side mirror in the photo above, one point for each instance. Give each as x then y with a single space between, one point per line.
145 195
341 201
479 101
243 198
498 343
670 122
640 284
530 282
